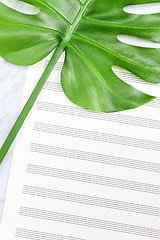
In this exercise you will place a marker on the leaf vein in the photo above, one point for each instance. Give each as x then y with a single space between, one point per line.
33 26
106 23
53 9
88 64
107 50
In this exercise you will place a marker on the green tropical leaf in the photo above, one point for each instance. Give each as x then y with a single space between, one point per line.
87 31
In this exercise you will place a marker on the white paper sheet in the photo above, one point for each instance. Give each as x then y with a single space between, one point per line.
79 175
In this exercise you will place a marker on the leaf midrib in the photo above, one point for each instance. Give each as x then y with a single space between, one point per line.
76 21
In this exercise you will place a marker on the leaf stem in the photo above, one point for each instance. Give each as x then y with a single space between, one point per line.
29 104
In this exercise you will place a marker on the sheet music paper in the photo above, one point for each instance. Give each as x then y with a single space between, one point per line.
80 175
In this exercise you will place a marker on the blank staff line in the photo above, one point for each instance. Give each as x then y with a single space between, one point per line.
94 157
57 87
93 179
53 86
37 235
89 222
97 136
154 103
91 200
113 117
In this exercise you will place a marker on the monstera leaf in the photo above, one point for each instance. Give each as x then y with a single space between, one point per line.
87 31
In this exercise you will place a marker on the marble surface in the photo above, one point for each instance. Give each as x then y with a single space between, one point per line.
12 79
